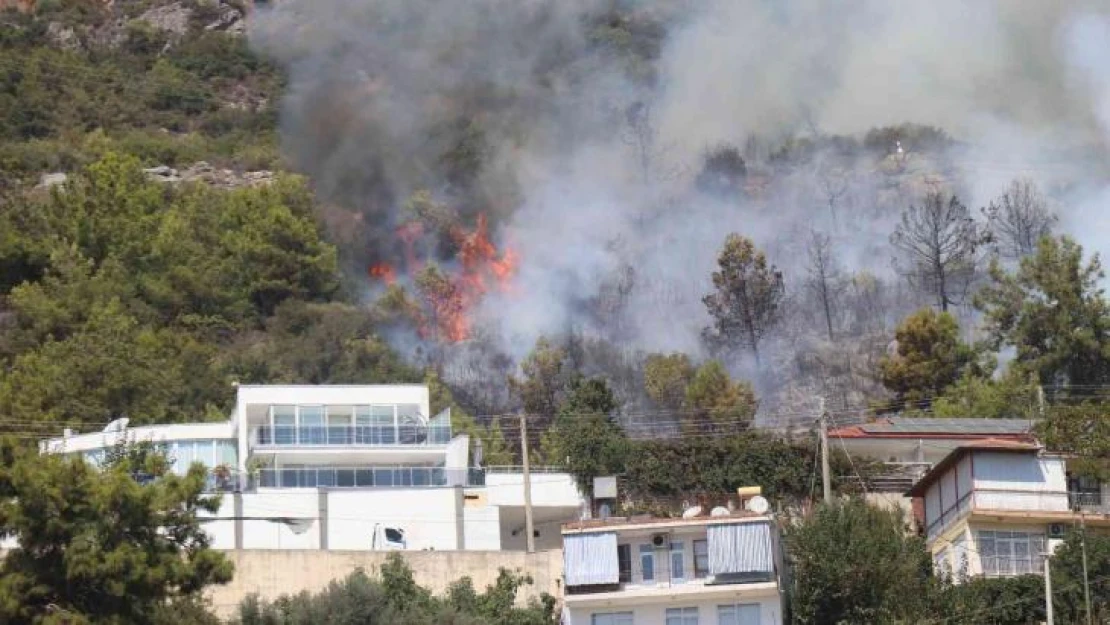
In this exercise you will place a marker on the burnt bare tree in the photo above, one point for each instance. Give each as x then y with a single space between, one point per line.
1018 219
747 297
824 279
938 241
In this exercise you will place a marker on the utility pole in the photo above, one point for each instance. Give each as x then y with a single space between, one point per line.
527 484
1040 400
1049 618
1083 550
826 478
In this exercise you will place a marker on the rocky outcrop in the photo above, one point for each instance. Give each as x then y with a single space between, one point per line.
172 18
205 173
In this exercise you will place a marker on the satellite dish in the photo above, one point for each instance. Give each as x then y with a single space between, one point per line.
758 505
720 511
299 526
118 425
692 512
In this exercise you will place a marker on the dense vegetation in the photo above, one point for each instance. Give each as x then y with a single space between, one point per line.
97 545
855 563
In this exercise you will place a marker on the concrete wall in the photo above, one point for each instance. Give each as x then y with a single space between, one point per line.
770 612
271 574
428 516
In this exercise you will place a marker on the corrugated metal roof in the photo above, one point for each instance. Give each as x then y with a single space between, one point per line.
915 425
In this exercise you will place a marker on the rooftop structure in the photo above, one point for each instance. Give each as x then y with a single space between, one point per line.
706 569
346 467
910 446
995 507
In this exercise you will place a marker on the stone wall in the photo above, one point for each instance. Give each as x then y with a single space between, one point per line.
271 574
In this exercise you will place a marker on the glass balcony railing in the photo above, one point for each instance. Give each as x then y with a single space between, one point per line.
367 477
338 435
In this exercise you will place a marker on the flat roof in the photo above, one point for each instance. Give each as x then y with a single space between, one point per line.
933 427
988 444
649 522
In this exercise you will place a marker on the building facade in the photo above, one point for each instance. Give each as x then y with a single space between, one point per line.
721 570
997 507
347 467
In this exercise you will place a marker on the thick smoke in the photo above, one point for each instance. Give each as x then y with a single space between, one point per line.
590 166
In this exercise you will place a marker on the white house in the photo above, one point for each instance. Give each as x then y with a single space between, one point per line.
718 570
348 467
996 507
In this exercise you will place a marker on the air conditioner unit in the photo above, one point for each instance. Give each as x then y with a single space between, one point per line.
1057 530
659 540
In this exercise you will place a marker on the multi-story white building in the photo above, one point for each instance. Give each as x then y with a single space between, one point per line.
348 467
996 507
719 570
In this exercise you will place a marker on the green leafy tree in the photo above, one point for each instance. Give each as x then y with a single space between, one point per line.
95 546
714 403
748 293
854 563
1068 582
396 598
1082 430
1051 310
930 358
584 437
973 395
665 379
544 380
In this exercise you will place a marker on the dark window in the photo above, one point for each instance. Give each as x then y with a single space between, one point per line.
624 563
394 535
701 558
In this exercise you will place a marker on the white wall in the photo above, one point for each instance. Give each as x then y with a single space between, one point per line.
1010 481
335 394
548 489
154 433
283 502
482 528
222 533
655 614
427 515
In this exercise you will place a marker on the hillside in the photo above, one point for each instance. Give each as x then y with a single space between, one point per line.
207 191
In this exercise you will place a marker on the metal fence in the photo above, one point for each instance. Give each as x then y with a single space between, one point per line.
337 435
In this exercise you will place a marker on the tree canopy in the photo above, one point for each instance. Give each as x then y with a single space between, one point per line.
395 597
95 545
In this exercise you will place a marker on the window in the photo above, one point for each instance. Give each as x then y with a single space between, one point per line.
682 616
677 569
312 431
647 562
1011 553
611 618
701 558
740 614
285 425
624 563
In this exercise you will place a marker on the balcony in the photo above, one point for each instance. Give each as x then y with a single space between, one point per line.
368 477
346 435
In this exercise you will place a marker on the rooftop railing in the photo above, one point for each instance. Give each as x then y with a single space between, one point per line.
348 435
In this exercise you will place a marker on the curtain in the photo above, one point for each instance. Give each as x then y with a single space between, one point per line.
590 559
740 548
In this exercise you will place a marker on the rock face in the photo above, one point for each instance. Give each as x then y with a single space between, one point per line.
173 18
52 180
207 174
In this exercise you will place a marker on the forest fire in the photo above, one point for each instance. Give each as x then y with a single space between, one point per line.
448 298
384 272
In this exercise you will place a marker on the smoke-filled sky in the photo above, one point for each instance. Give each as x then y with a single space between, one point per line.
1023 84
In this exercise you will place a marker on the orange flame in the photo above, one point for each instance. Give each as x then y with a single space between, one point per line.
451 302
384 272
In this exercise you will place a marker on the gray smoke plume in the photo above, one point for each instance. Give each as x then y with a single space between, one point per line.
590 159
